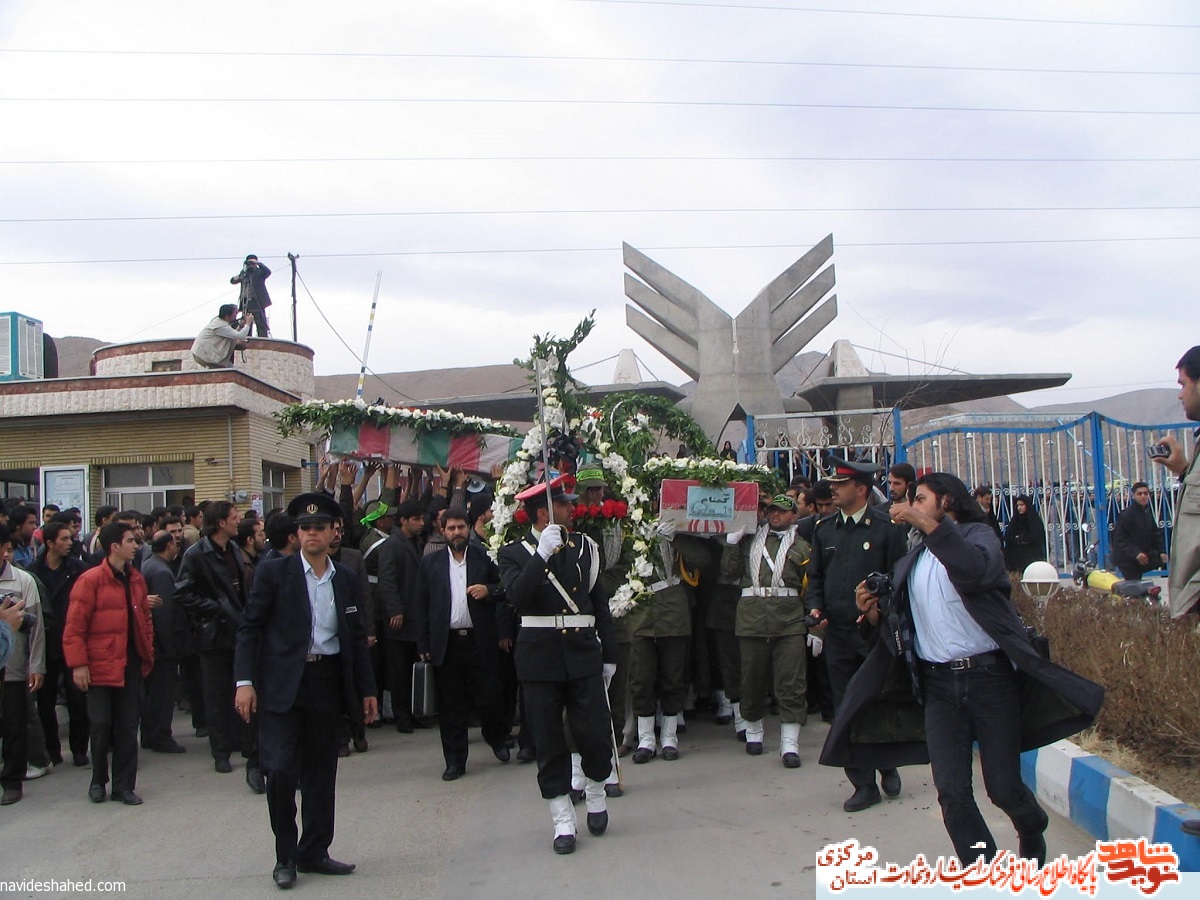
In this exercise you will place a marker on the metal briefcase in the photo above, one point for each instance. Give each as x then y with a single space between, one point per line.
424 700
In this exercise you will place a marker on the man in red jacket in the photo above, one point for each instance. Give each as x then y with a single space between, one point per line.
108 642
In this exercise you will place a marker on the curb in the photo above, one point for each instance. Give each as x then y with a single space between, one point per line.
1109 803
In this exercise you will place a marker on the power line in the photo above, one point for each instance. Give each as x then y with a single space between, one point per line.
542 101
589 212
875 12
440 159
592 213
613 249
522 57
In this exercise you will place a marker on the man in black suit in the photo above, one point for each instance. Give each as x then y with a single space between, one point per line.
396 591
456 631
302 662
566 651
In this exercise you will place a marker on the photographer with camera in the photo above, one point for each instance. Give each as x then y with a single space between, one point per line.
848 545
253 299
972 666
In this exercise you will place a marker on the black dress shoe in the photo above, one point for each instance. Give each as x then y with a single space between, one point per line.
404 727
201 732
1190 826
343 751
564 844
80 760
10 796
577 796
129 798
285 875
452 773
326 866
254 778
643 755
597 822
378 723
754 748
862 798
791 760
614 790
360 745
96 793
223 766
670 753
526 755
741 735
723 720
890 782
1033 846
501 753
173 747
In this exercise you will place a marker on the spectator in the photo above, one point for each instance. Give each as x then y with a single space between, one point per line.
253 297
22 523
983 496
108 642
1137 540
23 671
103 516
1025 537
12 614
170 625
58 571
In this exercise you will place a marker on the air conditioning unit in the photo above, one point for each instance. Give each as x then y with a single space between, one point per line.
20 348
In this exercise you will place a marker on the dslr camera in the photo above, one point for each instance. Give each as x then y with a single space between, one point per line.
1158 451
879 584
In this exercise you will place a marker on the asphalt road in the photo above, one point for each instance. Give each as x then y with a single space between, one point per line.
715 823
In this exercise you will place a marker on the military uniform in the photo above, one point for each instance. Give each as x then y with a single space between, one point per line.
770 567
614 572
566 638
846 550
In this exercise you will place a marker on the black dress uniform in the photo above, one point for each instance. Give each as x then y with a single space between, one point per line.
566 638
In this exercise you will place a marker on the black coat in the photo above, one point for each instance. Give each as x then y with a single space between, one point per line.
276 635
56 594
881 722
552 654
208 595
433 605
399 568
1024 540
1136 532
352 559
171 631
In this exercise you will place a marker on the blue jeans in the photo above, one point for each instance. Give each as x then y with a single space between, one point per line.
978 705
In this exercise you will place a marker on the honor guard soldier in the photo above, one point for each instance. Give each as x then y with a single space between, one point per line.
302 662
854 542
565 652
770 624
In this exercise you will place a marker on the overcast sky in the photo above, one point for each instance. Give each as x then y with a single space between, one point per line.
1011 186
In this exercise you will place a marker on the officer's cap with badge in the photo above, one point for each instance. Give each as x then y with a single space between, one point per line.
849 470
314 508
535 497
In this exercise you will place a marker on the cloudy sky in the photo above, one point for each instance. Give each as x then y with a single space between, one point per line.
1011 186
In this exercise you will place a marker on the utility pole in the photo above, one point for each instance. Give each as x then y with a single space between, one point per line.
292 257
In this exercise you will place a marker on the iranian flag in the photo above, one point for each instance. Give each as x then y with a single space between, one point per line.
470 452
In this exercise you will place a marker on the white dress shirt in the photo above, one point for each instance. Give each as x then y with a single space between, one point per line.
944 628
324 614
460 613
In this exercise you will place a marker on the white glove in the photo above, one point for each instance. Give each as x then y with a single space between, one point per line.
665 528
816 643
550 541
734 537
609 670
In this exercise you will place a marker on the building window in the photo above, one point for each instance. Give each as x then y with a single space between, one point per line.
143 487
166 365
274 479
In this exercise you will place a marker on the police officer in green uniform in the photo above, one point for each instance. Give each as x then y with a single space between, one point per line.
772 635
847 546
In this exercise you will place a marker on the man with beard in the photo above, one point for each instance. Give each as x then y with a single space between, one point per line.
457 592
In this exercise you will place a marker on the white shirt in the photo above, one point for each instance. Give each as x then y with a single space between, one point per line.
324 613
460 613
945 630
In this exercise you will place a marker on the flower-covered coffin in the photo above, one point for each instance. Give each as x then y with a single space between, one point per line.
403 444
705 509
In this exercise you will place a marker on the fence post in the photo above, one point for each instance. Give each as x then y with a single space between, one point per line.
751 450
901 454
1099 467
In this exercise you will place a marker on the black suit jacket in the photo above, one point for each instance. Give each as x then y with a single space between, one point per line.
276 634
433 603
207 593
547 654
396 592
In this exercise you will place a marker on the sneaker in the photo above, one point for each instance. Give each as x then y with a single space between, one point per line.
32 771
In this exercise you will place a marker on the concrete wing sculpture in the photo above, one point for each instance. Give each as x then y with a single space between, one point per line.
733 361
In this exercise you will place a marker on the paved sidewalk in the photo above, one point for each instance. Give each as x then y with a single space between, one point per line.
714 823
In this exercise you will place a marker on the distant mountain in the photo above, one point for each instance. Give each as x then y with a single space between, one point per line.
407 388
75 355
1152 406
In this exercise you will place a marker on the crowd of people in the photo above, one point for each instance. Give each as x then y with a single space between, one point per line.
889 615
